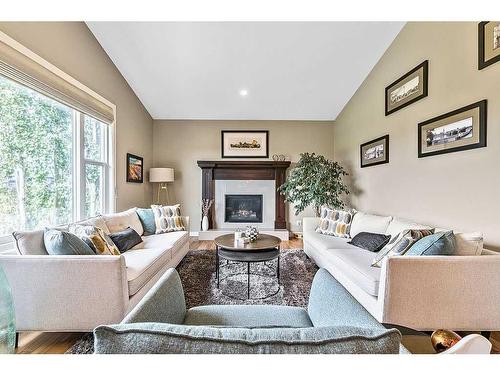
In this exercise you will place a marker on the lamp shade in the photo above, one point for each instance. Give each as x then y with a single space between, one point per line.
161 175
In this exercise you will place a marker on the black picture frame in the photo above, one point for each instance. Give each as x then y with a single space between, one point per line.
128 171
384 138
482 62
223 153
425 87
482 105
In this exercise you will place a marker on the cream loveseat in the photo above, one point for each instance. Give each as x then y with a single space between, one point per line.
459 292
77 293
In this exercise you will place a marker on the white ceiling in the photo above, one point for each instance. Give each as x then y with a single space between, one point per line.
292 70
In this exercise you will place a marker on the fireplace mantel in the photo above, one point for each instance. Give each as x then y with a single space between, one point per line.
245 170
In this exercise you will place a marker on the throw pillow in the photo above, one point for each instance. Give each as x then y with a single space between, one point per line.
95 238
125 240
370 241
442 243
147 218
399 245
335 223
58 242
167 218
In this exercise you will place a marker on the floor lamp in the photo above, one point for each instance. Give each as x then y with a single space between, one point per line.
162 176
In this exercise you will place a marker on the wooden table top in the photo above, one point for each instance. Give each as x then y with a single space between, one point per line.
263 242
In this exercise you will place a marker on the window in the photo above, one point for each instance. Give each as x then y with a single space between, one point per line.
54 161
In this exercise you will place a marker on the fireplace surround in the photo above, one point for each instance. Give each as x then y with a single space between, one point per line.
245 170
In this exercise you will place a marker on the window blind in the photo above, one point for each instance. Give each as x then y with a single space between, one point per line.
24 70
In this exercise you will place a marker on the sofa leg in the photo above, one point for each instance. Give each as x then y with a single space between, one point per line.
486 334
17 340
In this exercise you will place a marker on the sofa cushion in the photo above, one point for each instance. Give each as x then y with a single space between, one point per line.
249 316
468 243
30 242
397 225
58 242
335 222
356 263
150 338
97 221
95 237
442 243
143 264
168 218
122 220
363 222
324 242
126 239
370 241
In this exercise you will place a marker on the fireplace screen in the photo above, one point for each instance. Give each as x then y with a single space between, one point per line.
243 208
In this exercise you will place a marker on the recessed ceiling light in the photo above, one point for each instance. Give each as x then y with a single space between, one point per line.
243 92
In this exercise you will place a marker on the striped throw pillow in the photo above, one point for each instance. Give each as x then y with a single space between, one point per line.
335 223
168 218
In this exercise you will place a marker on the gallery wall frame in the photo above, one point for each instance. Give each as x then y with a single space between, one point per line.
459 130
369 156
416 80
135 169
488 43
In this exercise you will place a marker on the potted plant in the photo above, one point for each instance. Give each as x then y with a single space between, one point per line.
315 181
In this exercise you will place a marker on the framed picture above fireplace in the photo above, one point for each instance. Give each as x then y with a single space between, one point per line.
245 143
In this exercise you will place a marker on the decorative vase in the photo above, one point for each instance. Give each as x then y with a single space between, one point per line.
7 319
204 223
443 339
252 233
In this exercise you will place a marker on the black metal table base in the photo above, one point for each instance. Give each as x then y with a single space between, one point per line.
248 273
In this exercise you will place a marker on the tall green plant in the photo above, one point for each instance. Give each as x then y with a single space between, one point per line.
315 181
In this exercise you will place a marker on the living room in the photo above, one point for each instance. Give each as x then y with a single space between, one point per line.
250 187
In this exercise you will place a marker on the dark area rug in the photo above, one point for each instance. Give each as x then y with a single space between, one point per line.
197 272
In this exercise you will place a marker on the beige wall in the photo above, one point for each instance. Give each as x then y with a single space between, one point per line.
457 190
72 48
180 144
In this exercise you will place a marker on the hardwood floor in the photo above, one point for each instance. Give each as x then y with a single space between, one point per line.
58 343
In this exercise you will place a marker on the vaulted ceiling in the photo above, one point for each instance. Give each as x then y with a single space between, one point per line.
245 70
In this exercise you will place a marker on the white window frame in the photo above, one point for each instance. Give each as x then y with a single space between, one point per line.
6 242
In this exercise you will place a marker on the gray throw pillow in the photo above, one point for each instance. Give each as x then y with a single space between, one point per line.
58 242
147 218
126 239
442 243
370 241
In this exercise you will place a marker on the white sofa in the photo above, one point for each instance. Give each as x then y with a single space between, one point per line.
459 292
76 293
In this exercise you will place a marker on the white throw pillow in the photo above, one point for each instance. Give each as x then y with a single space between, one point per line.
120 221
468 243
168 218
363 222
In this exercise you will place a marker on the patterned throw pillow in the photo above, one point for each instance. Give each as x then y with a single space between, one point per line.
95 237
400 244
335 222
168 218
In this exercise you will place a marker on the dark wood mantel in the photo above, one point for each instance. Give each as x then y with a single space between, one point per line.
245 170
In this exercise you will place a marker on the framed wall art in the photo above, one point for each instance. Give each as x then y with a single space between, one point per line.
375 152
458 130
488 43
245 144
407 89
135 168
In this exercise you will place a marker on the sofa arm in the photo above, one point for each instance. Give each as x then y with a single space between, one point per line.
66 292
163 303
309 224
460 293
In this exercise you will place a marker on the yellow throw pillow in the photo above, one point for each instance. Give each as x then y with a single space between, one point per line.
95 237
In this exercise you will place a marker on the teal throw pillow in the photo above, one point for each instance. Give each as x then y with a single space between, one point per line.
442 243
58 242
147 218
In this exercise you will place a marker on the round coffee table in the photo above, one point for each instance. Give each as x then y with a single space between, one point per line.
264 249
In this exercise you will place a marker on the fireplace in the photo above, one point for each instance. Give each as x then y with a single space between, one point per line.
243 208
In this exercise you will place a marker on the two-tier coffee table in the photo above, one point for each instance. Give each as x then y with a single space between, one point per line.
266 248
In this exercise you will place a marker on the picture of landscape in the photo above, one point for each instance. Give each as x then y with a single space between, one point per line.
402 92
247 143
496 36
134 168
374 152
449 133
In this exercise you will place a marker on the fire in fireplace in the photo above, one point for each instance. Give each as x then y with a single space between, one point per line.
243 208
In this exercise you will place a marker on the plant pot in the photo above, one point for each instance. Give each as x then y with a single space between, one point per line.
7 319
204 223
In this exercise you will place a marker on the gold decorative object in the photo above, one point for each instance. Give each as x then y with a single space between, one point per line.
443 339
